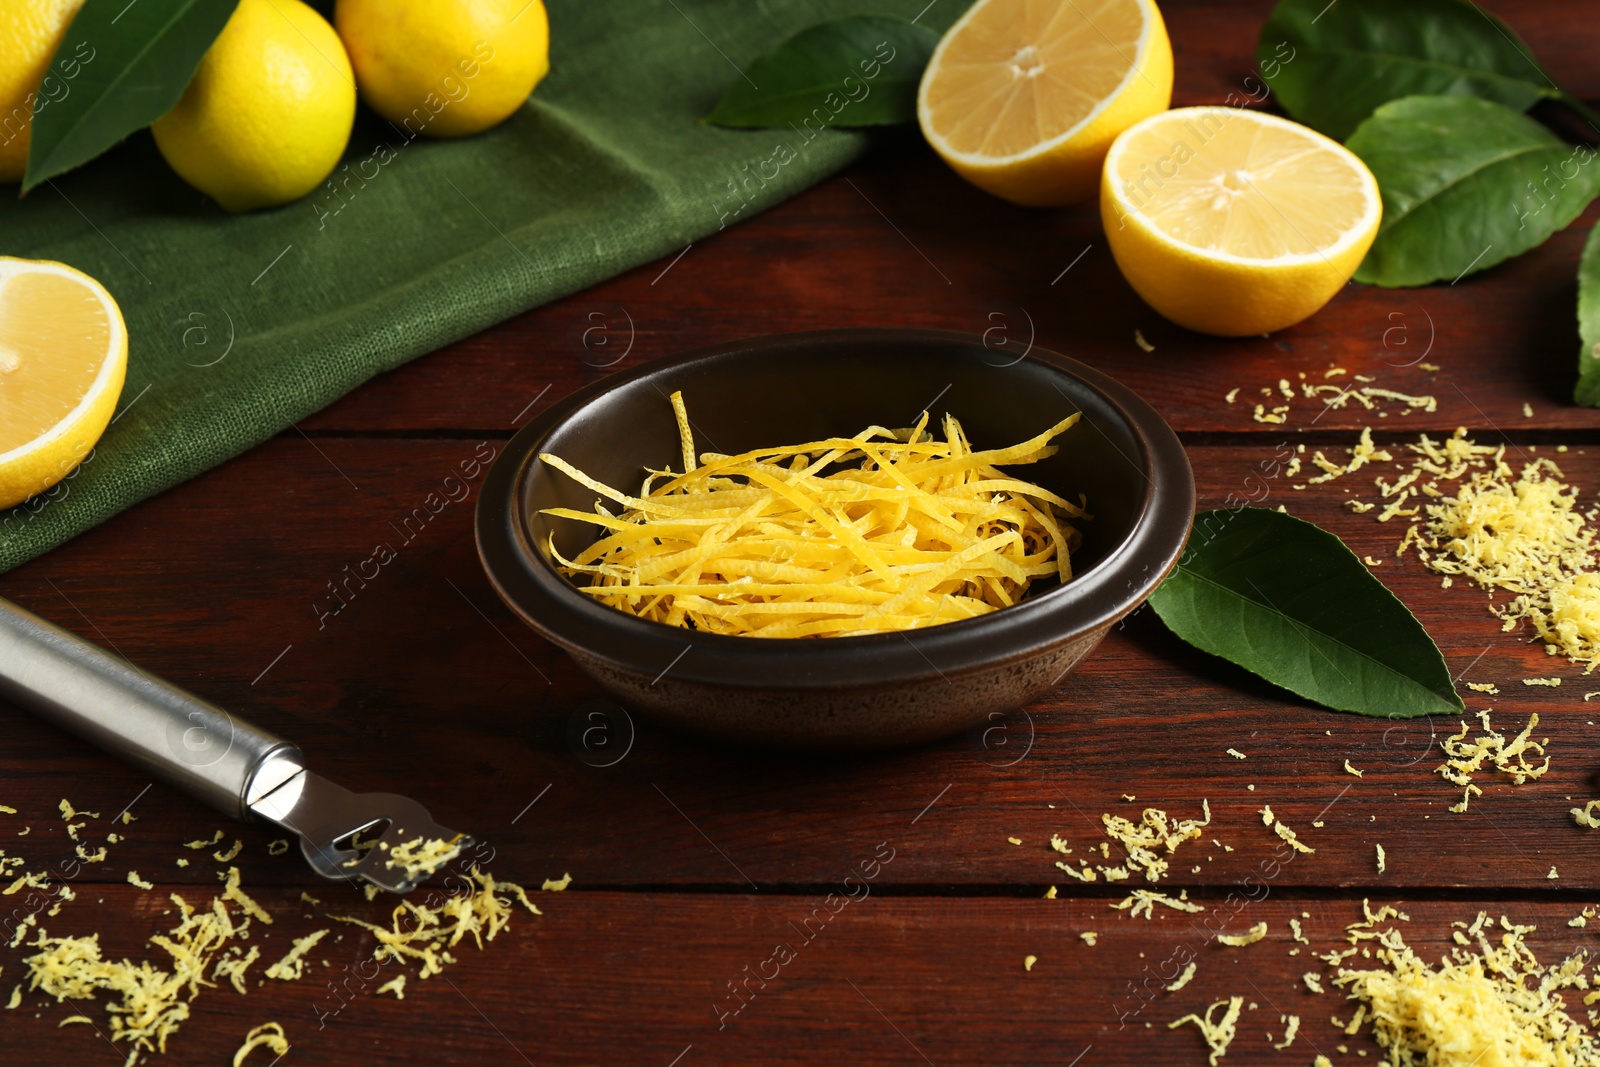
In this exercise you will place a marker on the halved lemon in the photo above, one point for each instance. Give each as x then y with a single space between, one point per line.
1024 97
1232 222
63 357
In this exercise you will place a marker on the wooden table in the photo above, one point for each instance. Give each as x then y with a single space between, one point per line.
691 862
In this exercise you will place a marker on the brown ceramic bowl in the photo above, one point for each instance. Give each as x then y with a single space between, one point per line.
841 692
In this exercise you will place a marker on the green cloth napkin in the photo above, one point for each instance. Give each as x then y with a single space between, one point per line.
423 243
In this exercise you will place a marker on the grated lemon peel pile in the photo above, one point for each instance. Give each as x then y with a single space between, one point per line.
420 857
1521 534
1488 1003
147 1002
1496 1007
1466 756
1528 538
1146 843
426 935
905 531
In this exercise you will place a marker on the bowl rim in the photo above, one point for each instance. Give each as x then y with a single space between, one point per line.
1118 583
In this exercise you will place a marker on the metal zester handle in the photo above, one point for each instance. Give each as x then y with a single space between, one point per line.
104 699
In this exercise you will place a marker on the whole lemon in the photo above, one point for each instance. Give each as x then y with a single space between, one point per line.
269 111
30 33
445 68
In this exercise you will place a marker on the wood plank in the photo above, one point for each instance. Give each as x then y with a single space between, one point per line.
425 684
1500 339
901 241
629 978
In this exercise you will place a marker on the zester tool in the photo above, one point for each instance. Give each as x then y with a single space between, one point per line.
217 757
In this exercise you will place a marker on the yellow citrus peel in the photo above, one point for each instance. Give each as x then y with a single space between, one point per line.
878 532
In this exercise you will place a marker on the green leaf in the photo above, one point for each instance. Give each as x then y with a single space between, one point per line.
1288 601
120 67
1466 184
857 71
1588 391
1333 64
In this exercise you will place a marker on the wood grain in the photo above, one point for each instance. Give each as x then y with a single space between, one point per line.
901 241
1500 339
644 979
690 860
425 678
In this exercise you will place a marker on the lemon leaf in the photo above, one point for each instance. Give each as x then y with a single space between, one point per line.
856 71
1287 600
121 66
1333 64
1466 184
1588 391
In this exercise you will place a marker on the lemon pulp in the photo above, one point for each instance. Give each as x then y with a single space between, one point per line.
63 356
43 317
1023 97
1258 192
1233 222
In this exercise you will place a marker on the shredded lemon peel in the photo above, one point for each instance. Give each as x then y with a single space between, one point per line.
907 531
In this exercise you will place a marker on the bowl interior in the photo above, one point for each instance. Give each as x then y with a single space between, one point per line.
792 392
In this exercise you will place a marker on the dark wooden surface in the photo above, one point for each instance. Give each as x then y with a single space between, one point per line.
690 861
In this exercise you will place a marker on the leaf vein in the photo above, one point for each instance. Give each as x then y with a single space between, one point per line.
1418 61
1298 623
1458 179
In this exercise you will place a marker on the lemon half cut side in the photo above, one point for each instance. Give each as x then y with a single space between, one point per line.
63 358
1023 97
1232 222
